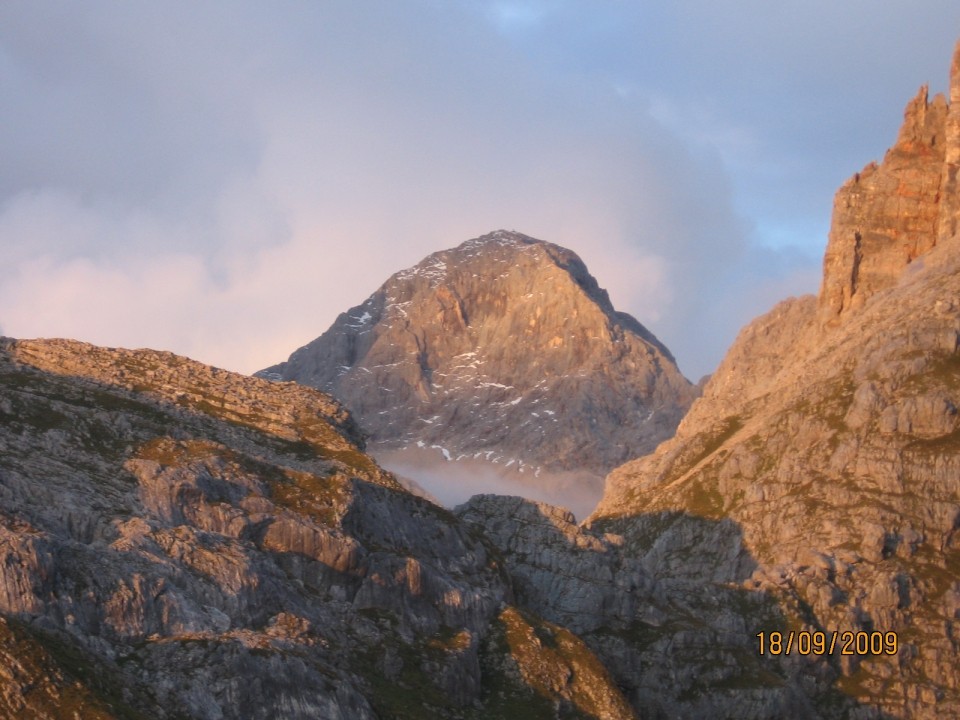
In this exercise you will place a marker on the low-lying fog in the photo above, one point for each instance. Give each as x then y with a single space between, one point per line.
452 482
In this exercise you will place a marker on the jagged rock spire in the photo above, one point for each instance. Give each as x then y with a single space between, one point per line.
950 192
889 214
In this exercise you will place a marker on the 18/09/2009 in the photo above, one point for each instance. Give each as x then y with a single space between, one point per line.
848 642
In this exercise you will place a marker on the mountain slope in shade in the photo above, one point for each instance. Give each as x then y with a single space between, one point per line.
828 440
506 349
178 541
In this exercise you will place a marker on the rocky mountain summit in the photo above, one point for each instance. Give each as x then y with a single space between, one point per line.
888 215
504 348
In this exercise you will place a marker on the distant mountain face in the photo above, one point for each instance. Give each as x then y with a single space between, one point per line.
504 348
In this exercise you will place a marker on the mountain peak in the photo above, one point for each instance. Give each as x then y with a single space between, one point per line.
504 348
827 443
889 214
504 238
497 246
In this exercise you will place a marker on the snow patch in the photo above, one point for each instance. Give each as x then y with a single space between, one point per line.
443 451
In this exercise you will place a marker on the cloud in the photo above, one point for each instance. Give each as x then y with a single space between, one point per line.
222 179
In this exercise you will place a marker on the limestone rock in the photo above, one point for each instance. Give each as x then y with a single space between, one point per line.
504 348
178 541
949 221
668 620
888 215
827 442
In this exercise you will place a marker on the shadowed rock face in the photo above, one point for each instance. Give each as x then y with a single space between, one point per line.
177 541
664 604
503 348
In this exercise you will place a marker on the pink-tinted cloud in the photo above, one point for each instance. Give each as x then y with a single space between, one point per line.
222 179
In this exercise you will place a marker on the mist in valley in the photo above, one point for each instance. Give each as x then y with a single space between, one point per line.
452 482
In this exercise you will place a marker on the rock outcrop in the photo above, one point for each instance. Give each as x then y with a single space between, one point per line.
663 606
503 348
180 541
888 215
829 439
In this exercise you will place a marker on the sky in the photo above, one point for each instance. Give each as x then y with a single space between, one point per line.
221 179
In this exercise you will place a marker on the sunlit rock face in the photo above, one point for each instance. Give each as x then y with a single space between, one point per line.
830 438
889 214
505 349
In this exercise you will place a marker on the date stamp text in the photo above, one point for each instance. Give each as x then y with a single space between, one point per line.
848 642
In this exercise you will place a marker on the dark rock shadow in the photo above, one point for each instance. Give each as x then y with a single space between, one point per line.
662 600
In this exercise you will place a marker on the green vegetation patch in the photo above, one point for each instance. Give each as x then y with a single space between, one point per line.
319 498
310 436
505 695
926 448
703 498
558 665
941 371
831 404
409 692
704 445
641 635
175 453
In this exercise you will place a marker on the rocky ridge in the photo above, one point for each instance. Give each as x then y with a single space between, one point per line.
812 487
664 607
828 440
504 348
177 541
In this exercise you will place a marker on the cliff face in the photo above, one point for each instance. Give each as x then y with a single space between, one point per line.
180 541
661 600
503 348
887 215
829 440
